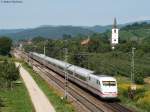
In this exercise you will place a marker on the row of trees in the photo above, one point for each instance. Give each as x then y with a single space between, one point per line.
137 26
100 44
5 45
8 70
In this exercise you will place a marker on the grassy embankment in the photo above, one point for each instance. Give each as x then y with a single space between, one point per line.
15 99
51 93
141 101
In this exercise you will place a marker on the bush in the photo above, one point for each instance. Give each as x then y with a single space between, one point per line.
139 77
5 45
140 93
8 74
144 102
1 103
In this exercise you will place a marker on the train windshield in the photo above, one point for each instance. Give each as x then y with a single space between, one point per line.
109 83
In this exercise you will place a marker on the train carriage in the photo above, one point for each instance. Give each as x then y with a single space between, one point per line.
101 85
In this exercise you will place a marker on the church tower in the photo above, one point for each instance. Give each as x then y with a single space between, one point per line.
115 35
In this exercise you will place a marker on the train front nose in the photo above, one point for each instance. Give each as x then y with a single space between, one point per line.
109 89
110 94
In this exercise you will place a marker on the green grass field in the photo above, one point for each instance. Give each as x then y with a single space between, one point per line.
59 104
16 100
141 101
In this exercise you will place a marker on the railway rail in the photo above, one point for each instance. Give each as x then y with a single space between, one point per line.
118 107
74 91
91 102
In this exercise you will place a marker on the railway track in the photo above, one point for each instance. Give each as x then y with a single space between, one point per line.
117 107
91 102
74 92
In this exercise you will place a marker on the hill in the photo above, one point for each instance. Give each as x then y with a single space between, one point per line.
131 31
54 32
100 29
48 32
135 31
7 31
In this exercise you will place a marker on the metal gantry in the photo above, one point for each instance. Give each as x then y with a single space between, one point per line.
66 74
44 49
132 66
133 85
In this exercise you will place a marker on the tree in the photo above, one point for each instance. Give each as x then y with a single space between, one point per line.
66 36
139 77
80 59
38 39
8 73
5 45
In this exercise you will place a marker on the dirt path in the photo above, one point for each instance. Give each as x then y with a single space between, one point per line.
39 100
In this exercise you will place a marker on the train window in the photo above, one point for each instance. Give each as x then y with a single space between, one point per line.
89 78
97 81
109 83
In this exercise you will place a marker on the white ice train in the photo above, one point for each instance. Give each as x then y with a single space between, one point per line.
101 85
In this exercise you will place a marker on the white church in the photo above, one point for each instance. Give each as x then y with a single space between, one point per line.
115 35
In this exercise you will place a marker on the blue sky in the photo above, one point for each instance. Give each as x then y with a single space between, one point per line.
33 13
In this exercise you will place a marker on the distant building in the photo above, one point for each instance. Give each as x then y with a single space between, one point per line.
21 43
86 42
115 35
25 42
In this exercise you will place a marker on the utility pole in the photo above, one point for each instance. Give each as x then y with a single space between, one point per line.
132 67
132 89
66 74
44 49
